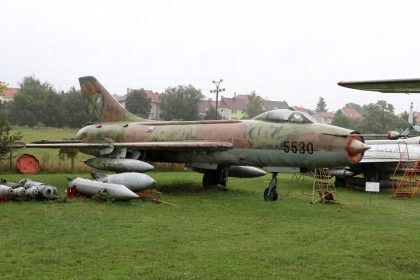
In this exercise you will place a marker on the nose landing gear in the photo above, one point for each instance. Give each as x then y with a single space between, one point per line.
270 193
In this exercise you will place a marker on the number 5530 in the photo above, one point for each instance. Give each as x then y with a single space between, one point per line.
298 147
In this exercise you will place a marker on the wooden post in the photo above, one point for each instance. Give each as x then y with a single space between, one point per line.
10 160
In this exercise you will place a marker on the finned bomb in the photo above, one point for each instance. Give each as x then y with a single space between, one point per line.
119 164
132 180
5 190
38 189
90 188
19 191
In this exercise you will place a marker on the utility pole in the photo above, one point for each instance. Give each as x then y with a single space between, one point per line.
217 90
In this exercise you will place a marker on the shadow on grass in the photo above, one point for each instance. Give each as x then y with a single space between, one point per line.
194 188
184 187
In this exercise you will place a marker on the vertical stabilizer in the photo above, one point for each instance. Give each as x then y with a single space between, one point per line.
102 106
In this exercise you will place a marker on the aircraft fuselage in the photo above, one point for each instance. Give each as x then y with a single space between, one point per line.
254 142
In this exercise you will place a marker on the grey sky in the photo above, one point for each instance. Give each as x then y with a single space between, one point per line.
285 50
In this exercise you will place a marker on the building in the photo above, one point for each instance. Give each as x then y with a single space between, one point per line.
229 108
324 117
351 113
274 105
204 107
234 108
302 109
9 94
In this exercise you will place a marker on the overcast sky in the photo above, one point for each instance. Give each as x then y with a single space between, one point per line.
294 50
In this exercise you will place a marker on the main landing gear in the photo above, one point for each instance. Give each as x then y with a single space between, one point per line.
270 193
215 178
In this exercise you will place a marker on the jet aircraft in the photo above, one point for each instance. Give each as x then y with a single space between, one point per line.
121 141
380 162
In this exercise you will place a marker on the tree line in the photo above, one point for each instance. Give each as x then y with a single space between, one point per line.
377 118
39 103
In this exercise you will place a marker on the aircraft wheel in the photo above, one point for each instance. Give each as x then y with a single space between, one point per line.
272 196
340 182
210 180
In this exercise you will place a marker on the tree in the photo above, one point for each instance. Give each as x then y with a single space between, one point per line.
357 107
138 103
343 121
180 103
211 113
68 153
74 109
255 105
3 87
321 106
36 103
380 118
5 137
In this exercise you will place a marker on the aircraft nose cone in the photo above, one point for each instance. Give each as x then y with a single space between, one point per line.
356 147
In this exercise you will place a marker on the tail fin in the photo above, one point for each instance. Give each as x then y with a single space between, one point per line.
102 105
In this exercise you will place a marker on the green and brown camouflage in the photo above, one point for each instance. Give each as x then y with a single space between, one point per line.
100 103
275 138
120 141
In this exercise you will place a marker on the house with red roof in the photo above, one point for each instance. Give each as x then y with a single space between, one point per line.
302 109
229 108
9 94
351 113
324 117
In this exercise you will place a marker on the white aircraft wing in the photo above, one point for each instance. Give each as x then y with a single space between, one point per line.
385 86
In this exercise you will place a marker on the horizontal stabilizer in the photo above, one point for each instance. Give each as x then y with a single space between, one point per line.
385 86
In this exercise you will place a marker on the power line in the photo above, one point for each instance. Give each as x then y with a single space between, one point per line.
217 90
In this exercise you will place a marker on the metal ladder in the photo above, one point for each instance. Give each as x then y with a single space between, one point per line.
324 186
408 185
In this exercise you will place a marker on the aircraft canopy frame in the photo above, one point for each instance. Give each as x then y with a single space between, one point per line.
285 115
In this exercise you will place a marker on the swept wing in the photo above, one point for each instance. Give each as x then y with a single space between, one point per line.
105 144
385 86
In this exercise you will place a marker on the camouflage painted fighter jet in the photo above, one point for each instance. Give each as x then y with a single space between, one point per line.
122 141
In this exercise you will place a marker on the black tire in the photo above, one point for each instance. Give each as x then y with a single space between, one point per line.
340 182
210 179
273 196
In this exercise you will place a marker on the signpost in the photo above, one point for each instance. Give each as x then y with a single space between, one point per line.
372 187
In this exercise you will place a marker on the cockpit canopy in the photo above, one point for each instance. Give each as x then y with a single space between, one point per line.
285 115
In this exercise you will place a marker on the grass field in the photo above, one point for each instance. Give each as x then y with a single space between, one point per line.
48 158
211 235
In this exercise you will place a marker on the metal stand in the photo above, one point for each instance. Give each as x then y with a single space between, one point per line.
324 185
409 184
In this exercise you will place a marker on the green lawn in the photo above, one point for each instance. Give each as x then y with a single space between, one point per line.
211 235
48 158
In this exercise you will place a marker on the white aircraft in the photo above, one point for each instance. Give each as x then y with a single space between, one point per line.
380 161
